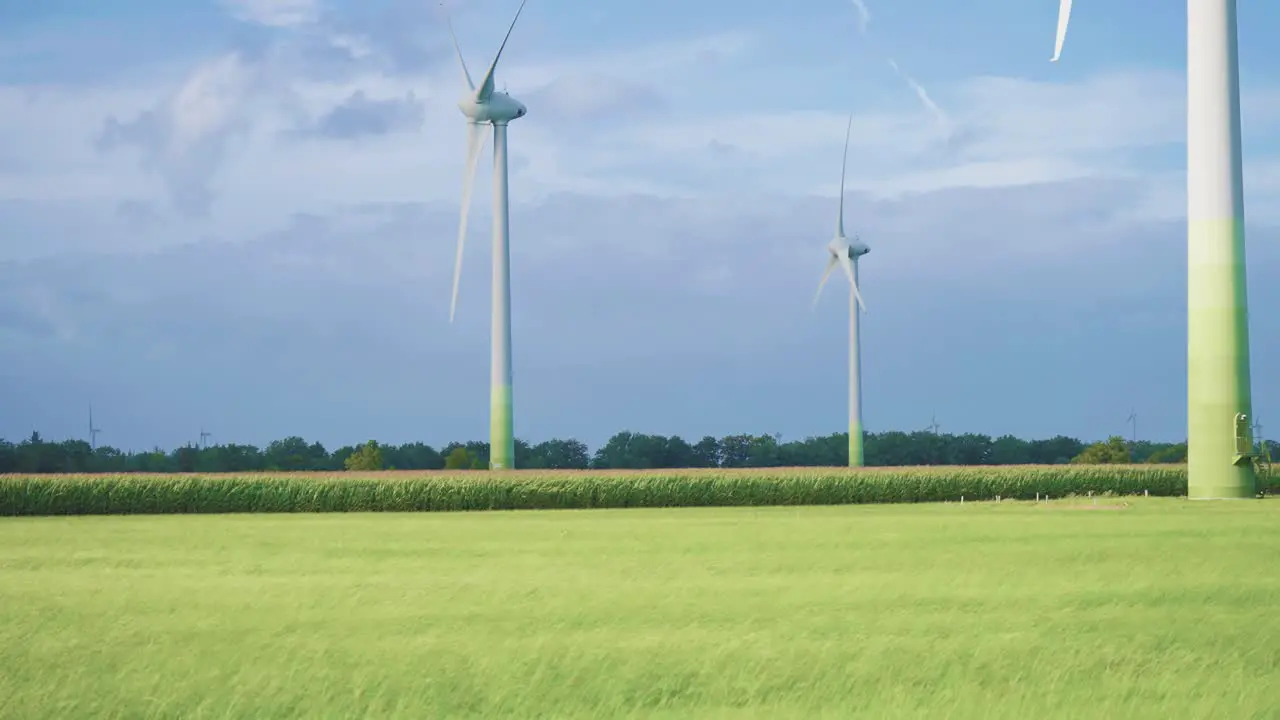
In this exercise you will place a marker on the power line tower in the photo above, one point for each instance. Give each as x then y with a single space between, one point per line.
1262 458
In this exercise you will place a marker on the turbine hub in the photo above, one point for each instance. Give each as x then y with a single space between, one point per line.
499 109
842 246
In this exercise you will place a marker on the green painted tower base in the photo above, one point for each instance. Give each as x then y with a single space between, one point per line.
855 447
1220 442
1236 484
502 444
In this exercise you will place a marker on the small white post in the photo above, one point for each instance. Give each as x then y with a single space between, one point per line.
961 499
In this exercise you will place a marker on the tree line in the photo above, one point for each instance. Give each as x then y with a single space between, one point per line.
623 450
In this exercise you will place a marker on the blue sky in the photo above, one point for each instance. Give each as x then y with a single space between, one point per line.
242 215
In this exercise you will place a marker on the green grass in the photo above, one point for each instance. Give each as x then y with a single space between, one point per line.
1164 608
552 489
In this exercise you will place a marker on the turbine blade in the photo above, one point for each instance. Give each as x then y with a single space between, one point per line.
1064 14
475 143
847 264
486 84
466 75
831 265
843 166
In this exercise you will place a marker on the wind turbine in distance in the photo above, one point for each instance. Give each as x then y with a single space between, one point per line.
845 253
93 430
483 106
1220 447
1133 420
204 436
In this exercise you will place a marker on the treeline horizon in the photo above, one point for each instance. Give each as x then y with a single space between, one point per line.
625 450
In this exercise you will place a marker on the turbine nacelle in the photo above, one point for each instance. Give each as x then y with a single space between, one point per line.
843 246
498 109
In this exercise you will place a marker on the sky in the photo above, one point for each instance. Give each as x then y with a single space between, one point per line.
241 215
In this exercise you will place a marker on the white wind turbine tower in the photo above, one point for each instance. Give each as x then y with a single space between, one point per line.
483 106
1220 449
845 253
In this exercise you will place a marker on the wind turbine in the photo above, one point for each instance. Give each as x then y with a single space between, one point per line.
933 424
845 253
1219 406
1133 420
203 437
93 430
483 106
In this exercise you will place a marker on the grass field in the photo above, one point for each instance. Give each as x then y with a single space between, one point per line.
1160 608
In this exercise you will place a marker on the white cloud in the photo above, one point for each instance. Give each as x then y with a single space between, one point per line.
49 133
986 174
677 64
612 122
274 13
1112 111
1164 197
185 136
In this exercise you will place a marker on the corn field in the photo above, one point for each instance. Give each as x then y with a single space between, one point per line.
422 491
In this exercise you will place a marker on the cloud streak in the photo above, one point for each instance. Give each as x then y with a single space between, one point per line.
864 15
929 104
864 20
